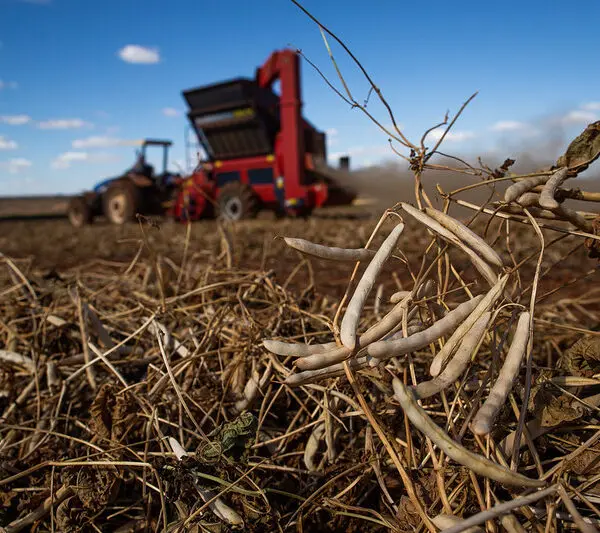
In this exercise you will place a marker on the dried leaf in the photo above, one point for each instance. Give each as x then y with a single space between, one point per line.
97 486
110 412
553 408
593 245
583 357
583 150
70 517
559 410
101 410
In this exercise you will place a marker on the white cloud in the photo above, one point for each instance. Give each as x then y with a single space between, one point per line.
15 120
579 117
515 127
170 112
509 125
7 144
16 165
102 142
133 53
8 84
332 137
63 124
591 106
65 159
95 142
452 136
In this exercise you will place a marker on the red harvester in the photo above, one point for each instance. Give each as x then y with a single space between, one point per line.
261 152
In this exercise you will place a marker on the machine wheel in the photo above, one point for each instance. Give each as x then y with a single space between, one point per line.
121 202
79 212
236 202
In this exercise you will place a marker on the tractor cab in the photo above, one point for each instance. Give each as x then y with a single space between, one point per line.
143 168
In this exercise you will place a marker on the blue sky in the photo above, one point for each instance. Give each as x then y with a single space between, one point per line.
81 79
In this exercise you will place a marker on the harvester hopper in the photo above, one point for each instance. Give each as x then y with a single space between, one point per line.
234 119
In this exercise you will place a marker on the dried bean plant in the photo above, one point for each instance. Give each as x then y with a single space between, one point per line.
453 385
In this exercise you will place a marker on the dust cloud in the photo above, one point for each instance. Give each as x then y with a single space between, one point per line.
393 181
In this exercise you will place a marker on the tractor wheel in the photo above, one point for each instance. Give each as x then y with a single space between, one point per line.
79 212
236 201
121 202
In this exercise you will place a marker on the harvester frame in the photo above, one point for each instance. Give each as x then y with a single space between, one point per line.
261 153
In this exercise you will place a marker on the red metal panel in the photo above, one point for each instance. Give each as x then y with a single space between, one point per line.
285 65
265 192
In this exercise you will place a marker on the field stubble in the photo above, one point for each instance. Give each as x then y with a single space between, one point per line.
123 339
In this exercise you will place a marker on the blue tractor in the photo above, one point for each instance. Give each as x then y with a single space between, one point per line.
140 190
